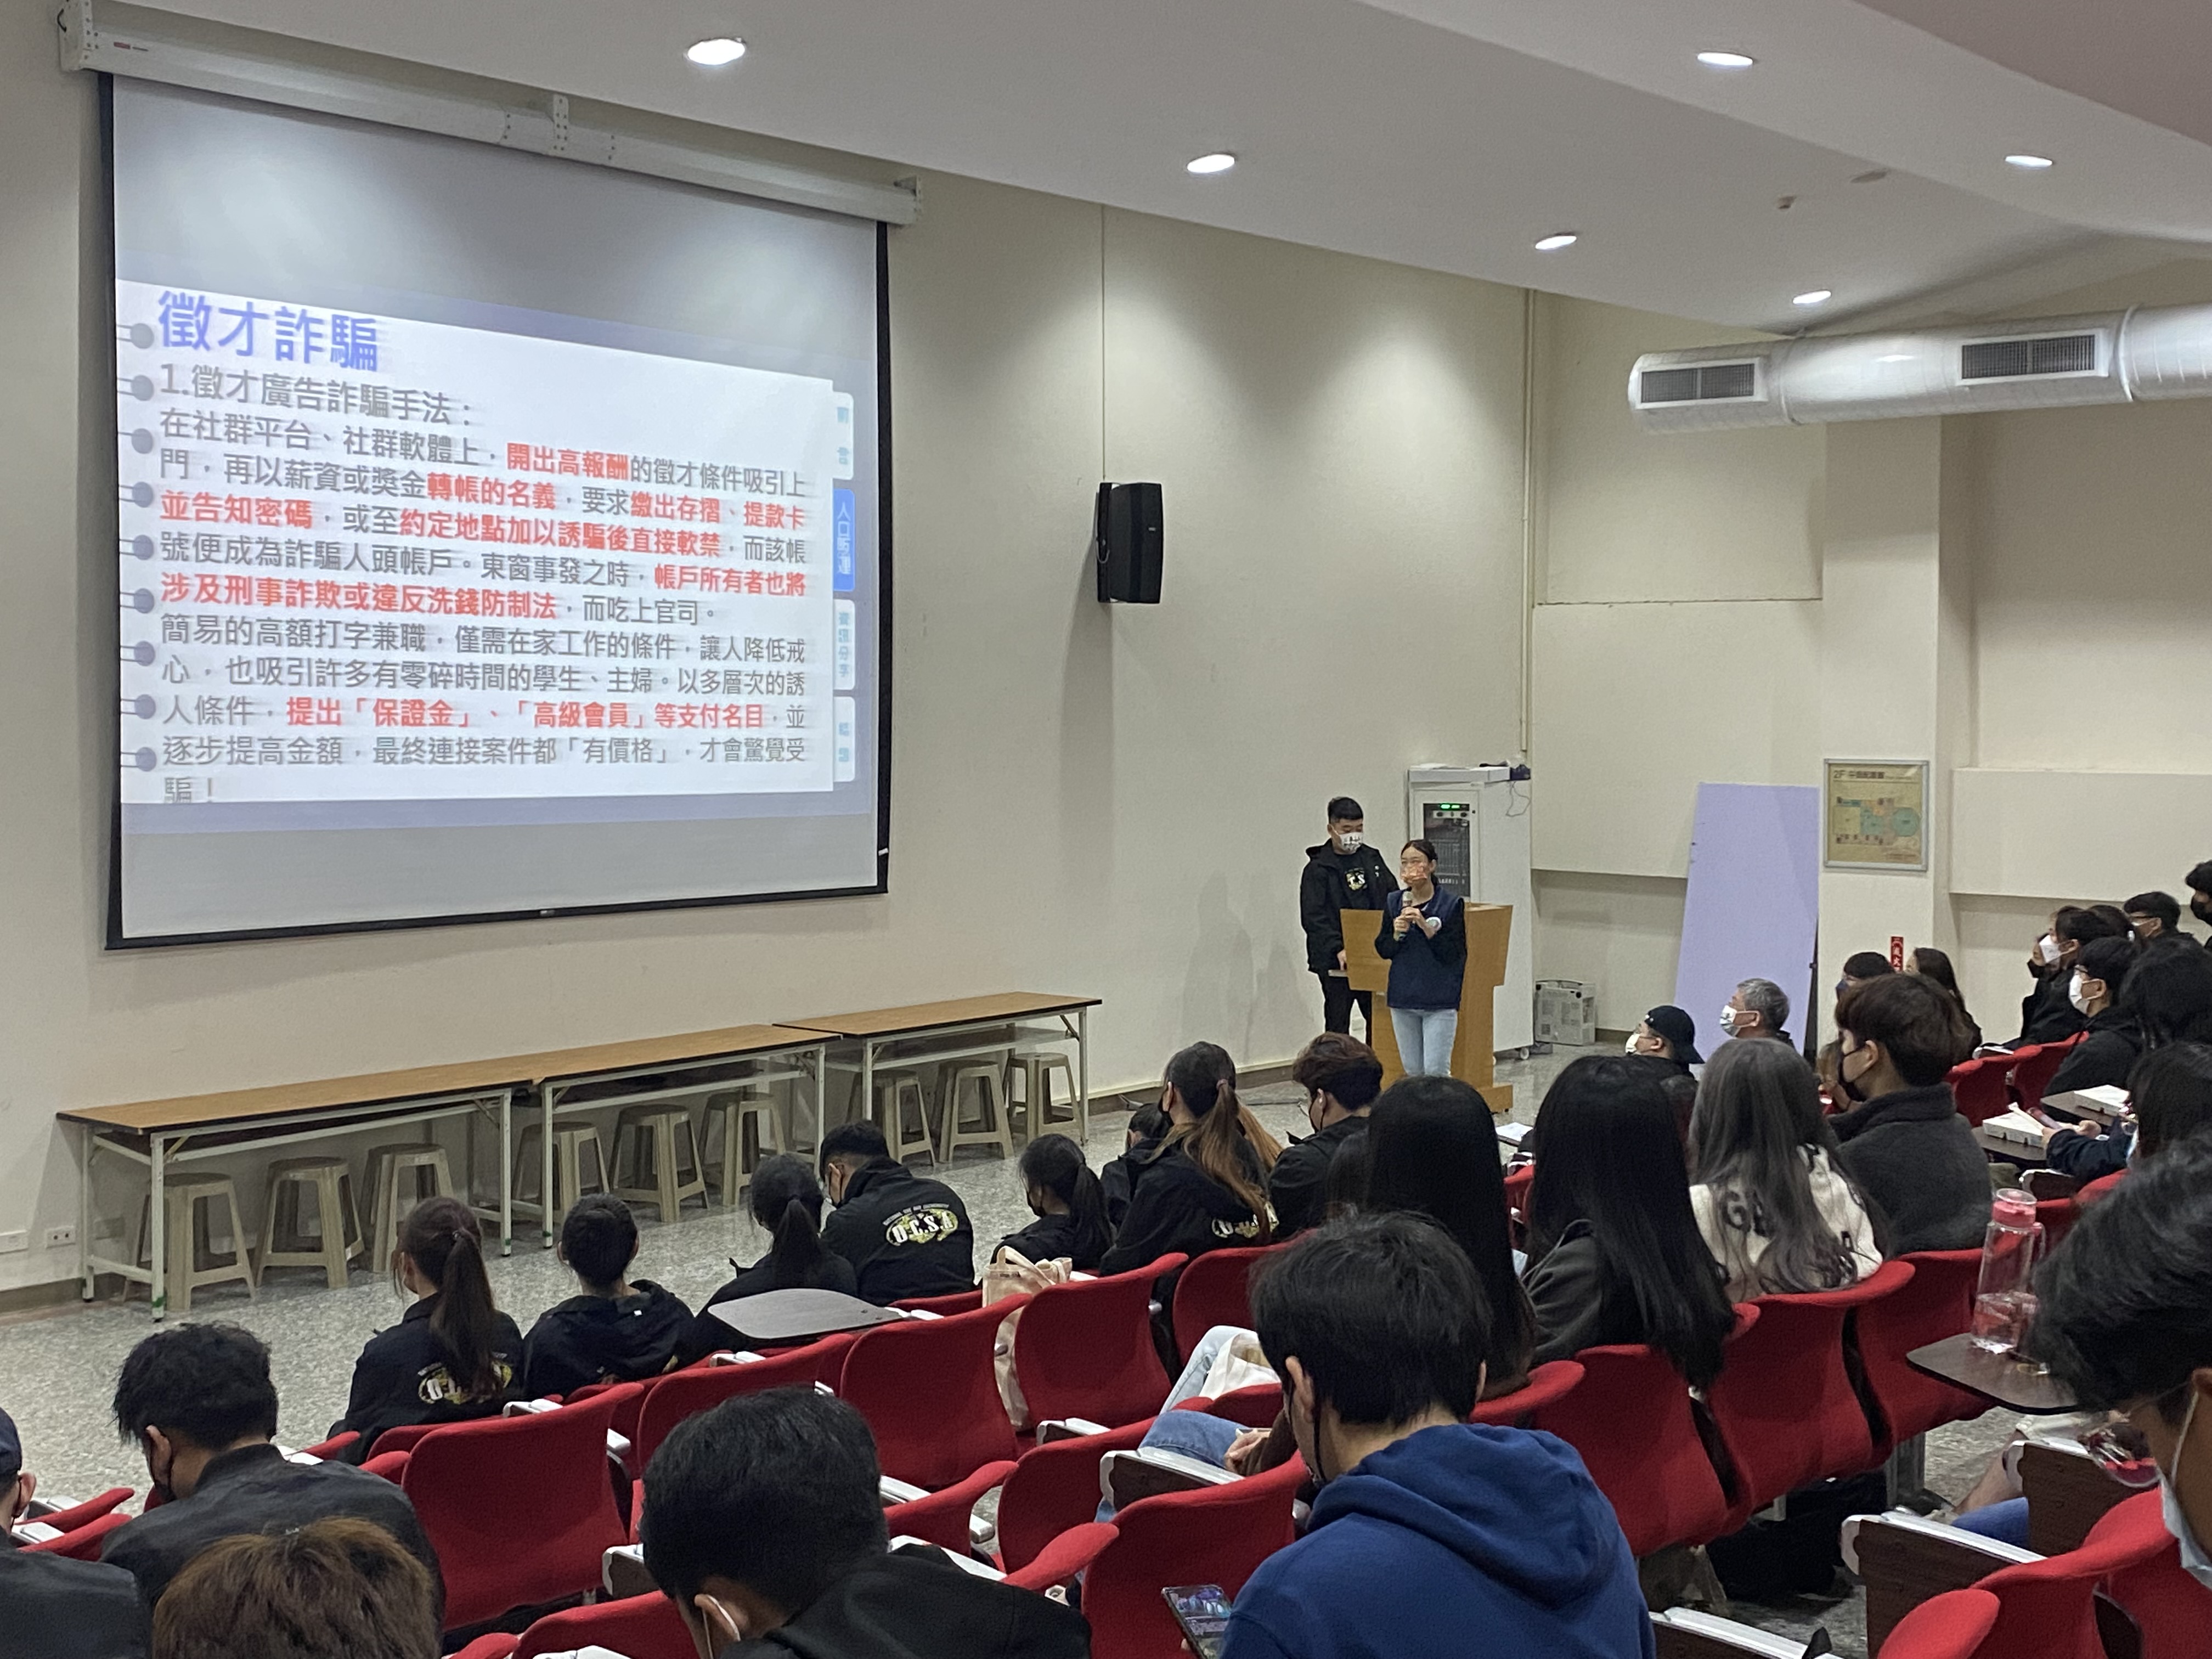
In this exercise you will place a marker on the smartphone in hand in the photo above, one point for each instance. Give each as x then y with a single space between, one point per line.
1202 1610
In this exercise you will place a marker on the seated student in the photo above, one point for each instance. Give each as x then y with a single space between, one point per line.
764 1525
1118 1179
618 1330
55 1607
1773 1203
1861 966
2154 915
2169 1098
198 1403
1933 965
453 1356
786 1198
1341 1077
1667 1033
1756 1008
1431 1535
2199 883
1070 1206
2047 1014
905 1235
2169 992
1202 1185
334 1587
2113 1042
1614 1251
1913 1158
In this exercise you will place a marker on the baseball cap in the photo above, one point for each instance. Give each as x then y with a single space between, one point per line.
11 1448
1679 1030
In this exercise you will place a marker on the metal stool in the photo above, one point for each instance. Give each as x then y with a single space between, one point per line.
188 1238
1035 1069
570 1141
991 1129
895 1092
423 1163
755 1104
665 1133
337 1239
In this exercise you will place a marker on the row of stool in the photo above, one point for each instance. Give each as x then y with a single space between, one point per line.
658 1158
984 1117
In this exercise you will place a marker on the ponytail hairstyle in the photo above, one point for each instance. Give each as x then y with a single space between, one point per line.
441 1236
1057 1164
787 1200
1205 1077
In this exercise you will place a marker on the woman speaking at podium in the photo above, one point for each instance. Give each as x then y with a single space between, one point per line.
1423 938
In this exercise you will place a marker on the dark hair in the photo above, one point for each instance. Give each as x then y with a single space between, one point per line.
1342 1065
1343 1183
1757 1126
2124 1305
2164 906
1611 1158
442 1238
1680 1088
2109 960
2079 924
1432 1151
2170 1092
1057 1164
1935 966
1205 1077
599 1239
339 1585
205 1384
862 1138
787 1200
2168 992
1866 964
1341 807
1426 848
1385 1315
1915 1022
2200 877
777 1492
1149 1122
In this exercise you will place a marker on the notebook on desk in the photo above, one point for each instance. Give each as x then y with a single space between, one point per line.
2014 1125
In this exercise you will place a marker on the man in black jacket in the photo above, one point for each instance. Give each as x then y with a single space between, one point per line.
1343 873
2113 1042
198 1401
906 1236
1341 1077
55 1607
764 1525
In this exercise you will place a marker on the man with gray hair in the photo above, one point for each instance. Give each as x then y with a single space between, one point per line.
1757 1008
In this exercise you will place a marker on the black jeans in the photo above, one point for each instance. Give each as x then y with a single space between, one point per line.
1337 998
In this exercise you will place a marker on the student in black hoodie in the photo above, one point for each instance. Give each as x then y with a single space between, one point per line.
1343 873
786 1198
2047 1014
1201 1186
906 1236
58 1608
1341 1077
617 1331
1119 1178
1915 1160
764 1525
453 1356
1069 1205
2113 1042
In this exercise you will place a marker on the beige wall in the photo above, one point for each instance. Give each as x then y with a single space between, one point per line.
1105 801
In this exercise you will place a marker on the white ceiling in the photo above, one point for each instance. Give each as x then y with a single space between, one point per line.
1450 133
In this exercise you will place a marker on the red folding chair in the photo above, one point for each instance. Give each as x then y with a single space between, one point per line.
1783 1401
1070 1553
405 1437
519 1509
1053 1490
92 1509
1983 1087
2096 1188
1936 1302
1211 1291
1085 1348
1548 1384
2033 1066
1255 1407
81 1542
637 1626
702 1388
1518 1180
958 1302
2173 1612
941 1518
929 1391
2046 1609
1629 1419
2056 1216
1950 1627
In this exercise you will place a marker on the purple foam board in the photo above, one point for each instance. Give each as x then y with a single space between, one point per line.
1753 906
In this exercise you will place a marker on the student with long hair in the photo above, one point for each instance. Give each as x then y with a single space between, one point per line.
454 1355
620 1329
1202 1185
1935 966
1070 1206
1772 1200
1616 1255
786 1198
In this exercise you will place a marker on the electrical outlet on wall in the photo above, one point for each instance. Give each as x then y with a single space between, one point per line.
11 1242
60 1238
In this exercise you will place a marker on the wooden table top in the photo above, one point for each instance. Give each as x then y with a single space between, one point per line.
923 1016
2013 1384
374 1089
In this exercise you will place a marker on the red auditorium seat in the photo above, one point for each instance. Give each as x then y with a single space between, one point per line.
2058 1217
1548 1384
672 1398
2096 1188
1053 1490
1983 1087
637 1627
81 1542
928 1390
331 1448
2046 1609
941 1518
1257 1406
92 1509
1951 1626
1937 1302
1518 1180
958 1302
1211 1291
2033 1066
1085 1349
1065 1556
2173 1612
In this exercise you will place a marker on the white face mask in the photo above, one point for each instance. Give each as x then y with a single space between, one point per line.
2073 993
1729 1017
1630 1047
2194 1561
1350 841
2048 948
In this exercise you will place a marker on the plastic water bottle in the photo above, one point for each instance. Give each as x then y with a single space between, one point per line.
2005 1299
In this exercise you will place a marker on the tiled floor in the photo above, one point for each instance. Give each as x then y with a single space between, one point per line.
57 1371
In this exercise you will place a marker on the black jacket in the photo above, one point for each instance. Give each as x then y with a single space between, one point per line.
1332 883
2102 1059
1178 1207
2047 1014
707 1335
905 1235
52 1607
257 1489
594 1339
915 1604
2089 1157
1119 1179
1566 1290
1918 1164
1052 1236
1297 1185
402 1377
1425 973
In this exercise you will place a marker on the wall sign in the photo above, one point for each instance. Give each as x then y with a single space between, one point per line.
1876 815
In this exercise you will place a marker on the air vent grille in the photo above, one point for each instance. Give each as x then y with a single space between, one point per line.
1697 384
2020 359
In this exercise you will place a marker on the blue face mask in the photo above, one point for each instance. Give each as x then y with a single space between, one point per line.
2194 1561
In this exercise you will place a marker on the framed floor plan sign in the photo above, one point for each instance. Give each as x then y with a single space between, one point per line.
1875 815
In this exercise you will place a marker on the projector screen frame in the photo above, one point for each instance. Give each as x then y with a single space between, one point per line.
117 939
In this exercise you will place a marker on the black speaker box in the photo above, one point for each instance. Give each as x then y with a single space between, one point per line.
1128 530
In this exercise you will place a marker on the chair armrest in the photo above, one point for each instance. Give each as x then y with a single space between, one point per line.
1906 1560
326 1449
1072 1552
941 1517
393 1465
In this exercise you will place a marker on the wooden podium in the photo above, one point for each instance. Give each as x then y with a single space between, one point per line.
1474 1056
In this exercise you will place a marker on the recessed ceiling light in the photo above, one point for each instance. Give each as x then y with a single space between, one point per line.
2028 163
1726 60
1219 161
713 54
1815 296
1557 241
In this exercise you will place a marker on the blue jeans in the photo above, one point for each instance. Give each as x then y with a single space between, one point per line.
2006 1522
1424 1039
1194 1434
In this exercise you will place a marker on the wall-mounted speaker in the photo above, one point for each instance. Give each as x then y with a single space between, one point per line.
1128 530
